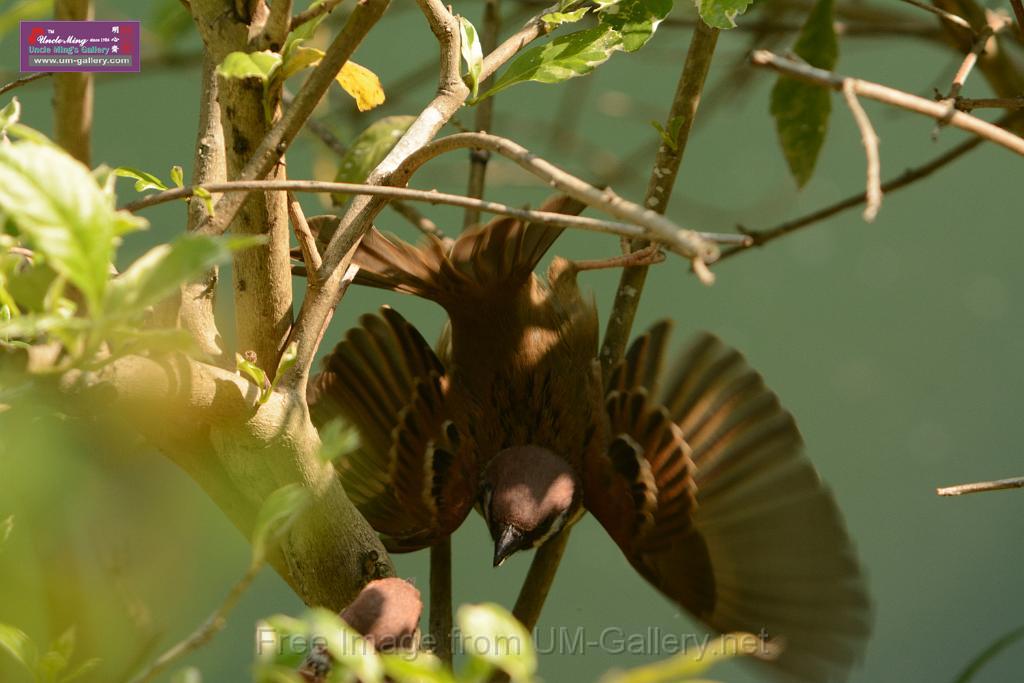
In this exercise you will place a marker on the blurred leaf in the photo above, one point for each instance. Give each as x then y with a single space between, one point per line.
23 11
801 110
65 645
688 664
492 635
188 675
420 667
989 653
81 670
159 272
563 58
178 176
279 510
6 527
554 19
472 53
362 84
20 646
260 65
171 20
722 13
132 339
143 180
9 114
369 149
338 438
350 651
72 223
29 286
634 20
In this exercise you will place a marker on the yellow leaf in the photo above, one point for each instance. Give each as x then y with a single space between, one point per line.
362 84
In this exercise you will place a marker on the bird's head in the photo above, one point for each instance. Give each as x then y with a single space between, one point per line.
527 495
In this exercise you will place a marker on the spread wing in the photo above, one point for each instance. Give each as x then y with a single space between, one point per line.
707 490
410 477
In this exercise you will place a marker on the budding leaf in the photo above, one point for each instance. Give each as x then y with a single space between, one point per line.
143 180
472 53
802 110
178 176
722 13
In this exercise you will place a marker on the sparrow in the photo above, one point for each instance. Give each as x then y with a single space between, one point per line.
696 472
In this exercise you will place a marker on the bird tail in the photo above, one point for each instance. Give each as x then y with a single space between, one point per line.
496 255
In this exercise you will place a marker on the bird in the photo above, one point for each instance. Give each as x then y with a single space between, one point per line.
696 471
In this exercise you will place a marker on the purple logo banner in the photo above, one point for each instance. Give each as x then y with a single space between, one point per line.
80 46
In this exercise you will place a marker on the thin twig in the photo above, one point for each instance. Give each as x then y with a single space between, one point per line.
969 104
948 16
762 237
662 180
206 631
313 12
418 220
539 579
307 243
484 114
981 486
870 140
891 96
621 229
970 59
23 81
441 599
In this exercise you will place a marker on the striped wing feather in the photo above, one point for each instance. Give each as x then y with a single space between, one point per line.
409 477
734 523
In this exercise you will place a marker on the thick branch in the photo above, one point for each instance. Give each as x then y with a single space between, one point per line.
73 93
896 98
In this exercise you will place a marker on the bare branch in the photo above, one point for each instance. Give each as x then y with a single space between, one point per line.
484 113
17 83
307 243
539 579
948 16
870 140
659 187
73 93
969 104
313 12
891 96
981 486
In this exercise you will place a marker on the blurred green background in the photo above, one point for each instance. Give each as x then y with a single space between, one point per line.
896 345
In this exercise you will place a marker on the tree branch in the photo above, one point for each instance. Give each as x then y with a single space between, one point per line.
484 114
891 96
869 138
73 93
18 82
660 185
441 599
313 12
981 486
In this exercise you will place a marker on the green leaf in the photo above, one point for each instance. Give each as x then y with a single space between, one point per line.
563 58
419 667
369 149
555 19
207 198
338 438
261 65
303 32
255 374
492 635
170 21
9 114
159 272
472 53
722 13
80 670
178 176
801 110
20 646
689 664
143 180
279 510
634 20
671 135
72 223
299 58
288 358
986 655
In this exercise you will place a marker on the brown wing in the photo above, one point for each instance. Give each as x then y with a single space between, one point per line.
493 255
727 516
411 477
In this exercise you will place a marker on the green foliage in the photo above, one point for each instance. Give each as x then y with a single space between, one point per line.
53 666
368 150
622 25
554 19
472 53
8 115
670 135
143 179
257 376
170 21
261 65
722 13
338 438
494 637
178 176
802 110
278 512
23 11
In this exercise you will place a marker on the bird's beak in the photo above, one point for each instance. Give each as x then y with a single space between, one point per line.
509 540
